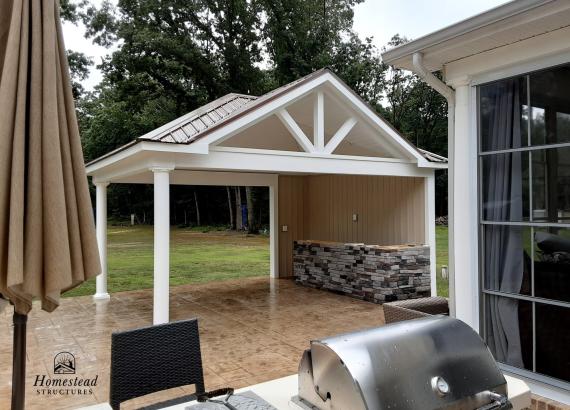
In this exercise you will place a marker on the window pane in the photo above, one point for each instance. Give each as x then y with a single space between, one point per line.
550 106
508 330
552 263
506 258
505 187
553 341
551 185
503 119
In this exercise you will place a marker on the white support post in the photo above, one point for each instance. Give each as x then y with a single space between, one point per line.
319 122
101 228
464 274
161 245
273 228
429 206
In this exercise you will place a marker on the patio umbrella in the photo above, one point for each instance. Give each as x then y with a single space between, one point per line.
47 234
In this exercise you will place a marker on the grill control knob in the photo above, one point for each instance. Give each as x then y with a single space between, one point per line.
439 385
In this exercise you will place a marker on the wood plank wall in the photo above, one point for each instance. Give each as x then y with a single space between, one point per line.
320 207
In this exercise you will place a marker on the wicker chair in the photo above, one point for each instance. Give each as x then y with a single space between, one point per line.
415 308
153 359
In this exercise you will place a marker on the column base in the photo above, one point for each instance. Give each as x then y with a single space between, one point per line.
101 296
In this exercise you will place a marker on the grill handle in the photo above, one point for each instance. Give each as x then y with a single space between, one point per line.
498 402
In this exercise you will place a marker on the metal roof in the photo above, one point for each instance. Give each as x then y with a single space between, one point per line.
186 129
507 24
196 124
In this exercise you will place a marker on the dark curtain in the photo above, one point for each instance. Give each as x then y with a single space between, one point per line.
503 259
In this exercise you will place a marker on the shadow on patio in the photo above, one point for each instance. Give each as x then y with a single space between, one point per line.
252 330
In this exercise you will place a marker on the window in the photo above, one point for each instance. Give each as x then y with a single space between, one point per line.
524 183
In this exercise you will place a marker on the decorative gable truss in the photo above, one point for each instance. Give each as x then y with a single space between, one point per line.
360 131
318 129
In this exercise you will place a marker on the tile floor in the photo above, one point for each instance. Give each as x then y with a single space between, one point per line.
251 330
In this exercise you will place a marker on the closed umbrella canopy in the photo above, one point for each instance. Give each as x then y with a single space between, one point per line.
47 234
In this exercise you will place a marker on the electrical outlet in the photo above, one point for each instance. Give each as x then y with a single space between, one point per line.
354 217
284 228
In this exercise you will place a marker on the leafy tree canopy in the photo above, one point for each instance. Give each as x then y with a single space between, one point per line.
172 56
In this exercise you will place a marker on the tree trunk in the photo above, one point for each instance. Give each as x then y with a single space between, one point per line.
198 222
239 222
250 213
230 207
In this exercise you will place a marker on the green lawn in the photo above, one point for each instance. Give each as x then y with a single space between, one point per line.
441 259
197 256
194 257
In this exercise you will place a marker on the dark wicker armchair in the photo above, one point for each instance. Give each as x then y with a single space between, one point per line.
153 359
415 308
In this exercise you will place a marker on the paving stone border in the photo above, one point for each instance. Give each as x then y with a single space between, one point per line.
374 273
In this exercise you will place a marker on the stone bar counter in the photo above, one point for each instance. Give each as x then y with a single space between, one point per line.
376 273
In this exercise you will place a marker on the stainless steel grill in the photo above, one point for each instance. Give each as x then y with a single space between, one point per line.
431 363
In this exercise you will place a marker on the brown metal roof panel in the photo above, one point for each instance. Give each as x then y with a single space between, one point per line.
214 116
189 130
199 125
207 120
179 135
168 138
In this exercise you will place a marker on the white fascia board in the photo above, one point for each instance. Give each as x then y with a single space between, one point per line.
528 55
401 56
252 160
261 112
376 120
195 148
433 165
98 169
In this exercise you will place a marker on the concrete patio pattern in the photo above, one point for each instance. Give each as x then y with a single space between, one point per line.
252 330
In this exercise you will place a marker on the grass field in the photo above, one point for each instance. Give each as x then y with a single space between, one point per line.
197 256
194 257
442 259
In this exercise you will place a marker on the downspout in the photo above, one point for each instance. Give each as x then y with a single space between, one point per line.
449 94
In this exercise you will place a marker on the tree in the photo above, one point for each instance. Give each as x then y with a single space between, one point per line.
302 35
79 63
230 207
420 113
251 225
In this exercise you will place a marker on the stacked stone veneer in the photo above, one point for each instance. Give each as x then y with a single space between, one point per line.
370 272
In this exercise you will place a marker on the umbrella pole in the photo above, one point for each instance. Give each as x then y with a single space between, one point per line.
19 361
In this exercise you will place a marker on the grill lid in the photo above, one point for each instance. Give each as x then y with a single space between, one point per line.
429 363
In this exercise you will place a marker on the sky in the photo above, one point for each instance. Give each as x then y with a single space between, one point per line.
380 19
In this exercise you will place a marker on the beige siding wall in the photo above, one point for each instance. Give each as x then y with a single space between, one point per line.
291 214
320 207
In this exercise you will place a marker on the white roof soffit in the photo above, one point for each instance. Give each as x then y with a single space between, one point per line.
512 22
169 138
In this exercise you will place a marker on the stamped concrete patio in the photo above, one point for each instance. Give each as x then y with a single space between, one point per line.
252 330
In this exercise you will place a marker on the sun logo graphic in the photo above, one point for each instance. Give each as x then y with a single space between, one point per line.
64 363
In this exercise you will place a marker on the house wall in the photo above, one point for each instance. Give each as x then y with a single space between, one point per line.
390 211
464 75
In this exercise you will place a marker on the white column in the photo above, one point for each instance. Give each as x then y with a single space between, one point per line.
161 245
429 190
101 227
464 270
273 228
